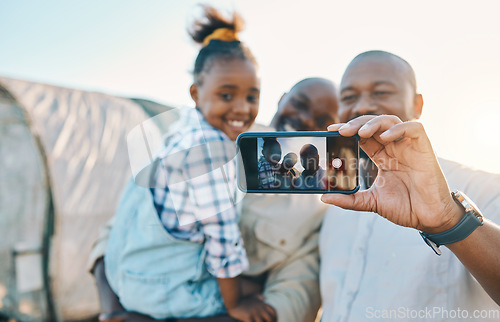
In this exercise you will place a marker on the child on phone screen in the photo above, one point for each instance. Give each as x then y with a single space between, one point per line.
268 164
175 250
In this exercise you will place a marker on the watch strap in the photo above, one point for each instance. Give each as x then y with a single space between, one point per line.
460 231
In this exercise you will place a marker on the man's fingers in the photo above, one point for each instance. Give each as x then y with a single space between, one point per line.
335 127
359 201
272 312
365 126
379 124
266 316
352 127
408 129
412 130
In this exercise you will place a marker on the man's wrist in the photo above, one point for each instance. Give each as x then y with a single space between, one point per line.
454 212
468 223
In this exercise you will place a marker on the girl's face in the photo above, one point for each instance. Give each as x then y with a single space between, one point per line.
229 95
272 153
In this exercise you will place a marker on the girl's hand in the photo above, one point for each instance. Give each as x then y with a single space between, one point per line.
253 309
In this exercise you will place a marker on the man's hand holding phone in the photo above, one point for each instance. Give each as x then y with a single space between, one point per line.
410 189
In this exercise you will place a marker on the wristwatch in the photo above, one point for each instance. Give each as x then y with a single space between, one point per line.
473 218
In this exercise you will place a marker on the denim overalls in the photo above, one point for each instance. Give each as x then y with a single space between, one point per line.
152 272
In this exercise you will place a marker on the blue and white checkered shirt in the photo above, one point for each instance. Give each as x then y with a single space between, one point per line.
195 190
266 173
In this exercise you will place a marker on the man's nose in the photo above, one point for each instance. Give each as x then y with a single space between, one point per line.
308 122
365 106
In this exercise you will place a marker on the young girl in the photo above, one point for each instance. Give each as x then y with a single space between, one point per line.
175 250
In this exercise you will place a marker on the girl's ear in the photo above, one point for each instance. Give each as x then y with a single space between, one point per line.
193 90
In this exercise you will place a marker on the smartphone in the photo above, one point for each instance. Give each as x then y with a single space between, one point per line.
297 162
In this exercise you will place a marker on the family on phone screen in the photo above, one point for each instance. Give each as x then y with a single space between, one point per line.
274 174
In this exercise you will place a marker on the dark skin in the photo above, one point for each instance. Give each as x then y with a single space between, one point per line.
241 307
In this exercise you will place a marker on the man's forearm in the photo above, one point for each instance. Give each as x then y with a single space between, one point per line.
480 254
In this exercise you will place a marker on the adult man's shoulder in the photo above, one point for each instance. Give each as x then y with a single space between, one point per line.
480 186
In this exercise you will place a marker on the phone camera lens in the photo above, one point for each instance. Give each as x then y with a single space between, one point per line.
336 163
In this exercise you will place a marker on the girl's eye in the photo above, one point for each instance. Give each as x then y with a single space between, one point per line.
226 96
252 98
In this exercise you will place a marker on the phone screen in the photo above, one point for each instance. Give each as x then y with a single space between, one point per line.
298 162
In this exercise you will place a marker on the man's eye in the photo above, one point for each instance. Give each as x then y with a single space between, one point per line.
252 98
381 93
226 96
299 104
348 98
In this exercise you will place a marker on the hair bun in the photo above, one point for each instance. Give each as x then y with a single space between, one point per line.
223 34
215 25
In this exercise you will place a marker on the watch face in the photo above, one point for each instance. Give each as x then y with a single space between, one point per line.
468 204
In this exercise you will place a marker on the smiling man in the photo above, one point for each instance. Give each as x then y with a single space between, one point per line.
310 105
376 83
373 269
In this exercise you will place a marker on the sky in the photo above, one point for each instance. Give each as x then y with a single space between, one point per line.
140 48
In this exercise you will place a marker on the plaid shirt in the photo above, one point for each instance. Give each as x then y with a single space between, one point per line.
195 189
266 174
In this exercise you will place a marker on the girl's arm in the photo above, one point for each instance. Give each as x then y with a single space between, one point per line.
251 308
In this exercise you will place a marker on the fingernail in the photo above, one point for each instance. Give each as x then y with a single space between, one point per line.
333 127
365 127
345 126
